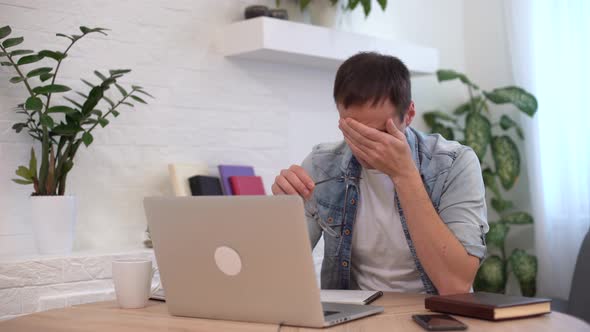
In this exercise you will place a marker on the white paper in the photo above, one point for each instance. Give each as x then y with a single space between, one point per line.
346 296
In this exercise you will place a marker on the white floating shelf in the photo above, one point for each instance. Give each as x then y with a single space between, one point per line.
274 40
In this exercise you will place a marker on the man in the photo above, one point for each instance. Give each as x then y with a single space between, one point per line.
399 210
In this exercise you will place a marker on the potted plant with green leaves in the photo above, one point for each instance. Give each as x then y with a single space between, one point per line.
499 156
61 126
328 12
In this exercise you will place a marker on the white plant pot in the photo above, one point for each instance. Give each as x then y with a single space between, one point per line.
320 13
53 220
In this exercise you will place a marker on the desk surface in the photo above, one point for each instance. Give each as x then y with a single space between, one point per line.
399 308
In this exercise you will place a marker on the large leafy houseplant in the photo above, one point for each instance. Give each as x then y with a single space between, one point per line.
500 159
61 126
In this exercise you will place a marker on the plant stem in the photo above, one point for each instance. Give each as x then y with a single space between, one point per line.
45 143
112 109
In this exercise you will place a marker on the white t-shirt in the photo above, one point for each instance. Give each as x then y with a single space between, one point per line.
381 258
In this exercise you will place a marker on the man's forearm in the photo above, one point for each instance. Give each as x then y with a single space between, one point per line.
444 258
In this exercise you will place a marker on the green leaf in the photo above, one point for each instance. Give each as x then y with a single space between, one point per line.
103 122
47 121
478 133
524 267
18 127
33 104
446 132
446 75
21 52
383 4
491 276
501 205
126 103
517 218
44 77
5 63
39 71
55 55
3 54
431 117
100 75
489 179
24 173
87 138
51 88
119 71
29 59
5 31
507 160
506 123
115 113
121 90
97 112
61 109
303 4
108 100
462 109
33 164
69 129
145 93
65 36
16 79
366 4
10 42
352 4
516 96
497 234
87 83
86 30
83 95
20 181
75 103
138 99
94 97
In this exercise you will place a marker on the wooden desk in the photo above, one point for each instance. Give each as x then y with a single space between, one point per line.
399 308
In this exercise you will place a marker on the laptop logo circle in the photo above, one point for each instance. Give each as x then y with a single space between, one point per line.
228 261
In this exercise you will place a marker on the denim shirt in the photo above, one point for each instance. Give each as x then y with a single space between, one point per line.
451 174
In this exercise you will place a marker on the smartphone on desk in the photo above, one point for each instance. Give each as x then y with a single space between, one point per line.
439 323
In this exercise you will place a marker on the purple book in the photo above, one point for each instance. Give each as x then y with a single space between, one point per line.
225 171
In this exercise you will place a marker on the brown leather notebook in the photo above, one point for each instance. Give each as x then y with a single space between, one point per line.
488 306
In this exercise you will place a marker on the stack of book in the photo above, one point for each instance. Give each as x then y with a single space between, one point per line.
194 179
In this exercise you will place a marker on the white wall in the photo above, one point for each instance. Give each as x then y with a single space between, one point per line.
207 107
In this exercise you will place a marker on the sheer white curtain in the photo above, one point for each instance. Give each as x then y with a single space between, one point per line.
550 48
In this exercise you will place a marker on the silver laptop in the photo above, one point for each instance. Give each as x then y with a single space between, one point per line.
244 258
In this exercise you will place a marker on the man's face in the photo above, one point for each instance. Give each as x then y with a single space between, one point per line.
375 116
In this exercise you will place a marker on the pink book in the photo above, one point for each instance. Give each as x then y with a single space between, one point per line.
247 185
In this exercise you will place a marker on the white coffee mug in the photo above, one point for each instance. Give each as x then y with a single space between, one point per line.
133 281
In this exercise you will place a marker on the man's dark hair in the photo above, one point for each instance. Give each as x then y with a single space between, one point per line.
373 78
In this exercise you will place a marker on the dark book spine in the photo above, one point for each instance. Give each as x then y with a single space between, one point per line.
463 310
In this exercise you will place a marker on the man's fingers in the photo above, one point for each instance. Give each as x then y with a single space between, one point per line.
393 130
357 151
296 183
276 190
303 176
369 133
355 135
285 186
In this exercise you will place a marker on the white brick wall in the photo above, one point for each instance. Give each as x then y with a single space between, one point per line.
30 285
207 108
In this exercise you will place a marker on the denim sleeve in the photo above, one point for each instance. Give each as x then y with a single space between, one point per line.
313 228
462 204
